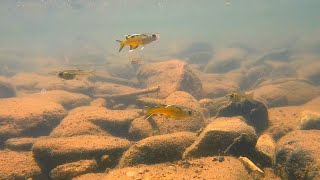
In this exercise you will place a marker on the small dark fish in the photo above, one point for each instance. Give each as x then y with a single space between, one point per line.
71 74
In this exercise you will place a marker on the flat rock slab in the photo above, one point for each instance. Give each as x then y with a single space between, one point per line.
21 144
52 152
158 149
219 135
67 99
19 165
95 120
28 117
7 90
297 155
204 168
171 76
71 170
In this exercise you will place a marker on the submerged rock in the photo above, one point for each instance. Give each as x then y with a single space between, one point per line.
19 165
284 92
51 152
32 82
226 60
67 99
309 120
7 90
28 117
297 155
204 168
171 76
158 149
311 72
254 112
20 144
216 138
71 170
265 148
93 120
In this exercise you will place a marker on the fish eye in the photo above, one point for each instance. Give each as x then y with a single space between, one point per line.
154 35
190 112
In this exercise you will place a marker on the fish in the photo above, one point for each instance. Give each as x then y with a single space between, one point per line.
172 111
72 74
238 97
136 40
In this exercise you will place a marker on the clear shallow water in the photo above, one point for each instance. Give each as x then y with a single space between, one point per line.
58 27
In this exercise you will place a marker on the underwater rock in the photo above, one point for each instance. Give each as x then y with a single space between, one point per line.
21 144
226 60
197 53
140 128
309 120
67 99
204 168
171 76
142 102
51 152
254 75
254 112
283 55
219 135
19 165
92 120
297 155
7 90
164 125
265 148
28 117
158 149
111 88
311 72
217 85
71 170
284 92
32 82
99 102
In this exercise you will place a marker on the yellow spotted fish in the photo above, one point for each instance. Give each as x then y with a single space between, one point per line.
136 40
172 111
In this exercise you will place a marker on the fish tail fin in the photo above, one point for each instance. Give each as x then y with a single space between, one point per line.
148 112
121 44
250 95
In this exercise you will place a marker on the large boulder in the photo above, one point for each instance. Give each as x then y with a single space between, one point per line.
254 112
7 90
297 155
51 152
94 120
220 135
158 149
28 117
19 165
204 168
67 99
171 76
284 92
311 72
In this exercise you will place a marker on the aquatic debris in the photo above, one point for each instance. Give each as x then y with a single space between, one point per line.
255 170
130 95
71 74
172 111
238 97
309 120
136 40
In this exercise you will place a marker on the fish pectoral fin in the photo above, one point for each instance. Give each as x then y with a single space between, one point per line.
133 46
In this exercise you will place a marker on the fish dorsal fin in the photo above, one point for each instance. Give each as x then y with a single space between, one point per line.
173 106
127 36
